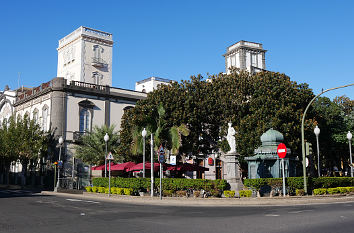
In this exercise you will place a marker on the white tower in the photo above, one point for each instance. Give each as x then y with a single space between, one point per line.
85 55
245 55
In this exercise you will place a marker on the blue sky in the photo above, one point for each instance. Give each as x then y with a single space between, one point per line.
311 41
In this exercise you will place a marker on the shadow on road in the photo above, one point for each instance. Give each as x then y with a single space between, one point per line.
10 193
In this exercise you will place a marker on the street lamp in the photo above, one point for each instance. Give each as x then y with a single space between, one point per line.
61 140
350 136
106 138
143 133
303 133
317 132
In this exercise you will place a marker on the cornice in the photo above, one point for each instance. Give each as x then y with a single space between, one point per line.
246 48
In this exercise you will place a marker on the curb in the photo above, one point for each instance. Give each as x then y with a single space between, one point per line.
209 202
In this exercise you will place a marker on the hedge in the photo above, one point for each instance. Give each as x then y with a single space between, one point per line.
245 193
342 190
294 183
174 184
114 190
229 193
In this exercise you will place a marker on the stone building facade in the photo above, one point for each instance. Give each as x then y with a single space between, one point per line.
80 98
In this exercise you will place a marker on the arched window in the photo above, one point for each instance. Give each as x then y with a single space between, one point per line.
45 118
85 120
35 115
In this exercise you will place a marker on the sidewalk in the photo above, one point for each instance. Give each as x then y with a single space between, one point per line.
215 202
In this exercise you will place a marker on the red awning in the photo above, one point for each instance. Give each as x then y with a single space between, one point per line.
186 167
139 166
122 166
101 167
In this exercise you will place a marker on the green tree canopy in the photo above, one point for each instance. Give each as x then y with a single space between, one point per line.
253 103
22 139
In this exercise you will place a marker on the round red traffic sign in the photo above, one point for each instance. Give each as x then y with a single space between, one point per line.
281 150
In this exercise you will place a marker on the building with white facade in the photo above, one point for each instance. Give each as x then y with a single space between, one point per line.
150 84
7 99
85 55
245 55
80 98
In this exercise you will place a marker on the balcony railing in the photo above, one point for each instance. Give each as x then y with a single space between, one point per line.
98 62
77 135
84 86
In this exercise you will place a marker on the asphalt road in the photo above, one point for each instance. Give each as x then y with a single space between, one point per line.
23 211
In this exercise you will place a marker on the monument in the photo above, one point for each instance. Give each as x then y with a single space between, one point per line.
232 165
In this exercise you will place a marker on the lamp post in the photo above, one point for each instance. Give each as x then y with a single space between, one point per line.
61 140
350 136
152 166
105 138
303 133
317 132
143 133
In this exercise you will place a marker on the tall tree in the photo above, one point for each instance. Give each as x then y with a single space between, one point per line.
253 103
22 139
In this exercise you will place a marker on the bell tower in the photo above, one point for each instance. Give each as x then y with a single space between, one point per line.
85 55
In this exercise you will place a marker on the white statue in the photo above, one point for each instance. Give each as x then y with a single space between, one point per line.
231 138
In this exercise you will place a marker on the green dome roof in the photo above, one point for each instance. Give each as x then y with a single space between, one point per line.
271 137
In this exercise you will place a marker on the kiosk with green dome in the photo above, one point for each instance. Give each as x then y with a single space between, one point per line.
266 163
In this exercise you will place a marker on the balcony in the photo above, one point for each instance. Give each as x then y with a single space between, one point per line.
77 136
98 62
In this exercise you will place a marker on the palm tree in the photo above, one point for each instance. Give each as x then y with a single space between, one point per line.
169 137
92 149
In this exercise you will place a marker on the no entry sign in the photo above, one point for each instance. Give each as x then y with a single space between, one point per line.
281 150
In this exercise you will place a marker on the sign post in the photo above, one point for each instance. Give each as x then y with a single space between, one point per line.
161 160
109 158
281 150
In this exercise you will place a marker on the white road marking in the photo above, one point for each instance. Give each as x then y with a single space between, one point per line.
299 211
95 202
272 215
73 199
78 200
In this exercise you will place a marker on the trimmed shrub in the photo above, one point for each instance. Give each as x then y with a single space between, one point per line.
106 190
332 182
128 191
88 189
343 190
333 190
120 191
101 189
181 193
167 193
294 183
255 184
229 193
196 193
94 189
215 193
167 183
300 192
320 191
114 190
245 193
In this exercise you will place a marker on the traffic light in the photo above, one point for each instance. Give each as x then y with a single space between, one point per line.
308 148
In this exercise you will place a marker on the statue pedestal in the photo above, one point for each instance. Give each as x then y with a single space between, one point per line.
232 171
